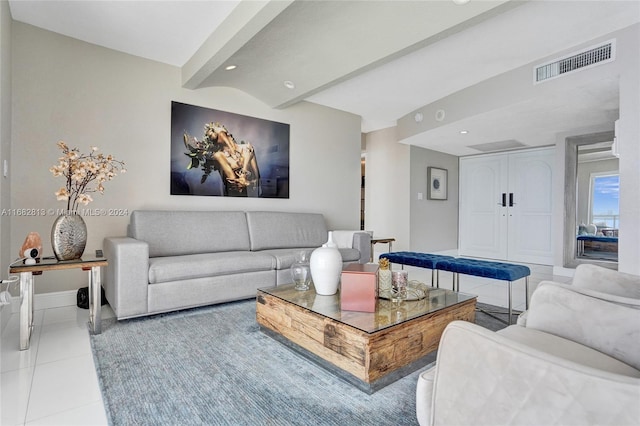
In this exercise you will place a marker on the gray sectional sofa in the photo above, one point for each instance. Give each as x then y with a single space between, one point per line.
174 260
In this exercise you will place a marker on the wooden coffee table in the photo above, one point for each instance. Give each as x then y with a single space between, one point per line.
369 350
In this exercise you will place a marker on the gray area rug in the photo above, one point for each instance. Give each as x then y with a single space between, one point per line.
213 366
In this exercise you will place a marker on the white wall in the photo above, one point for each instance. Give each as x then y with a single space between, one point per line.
88 95
387 189
628 63
629 144
507 89
434 223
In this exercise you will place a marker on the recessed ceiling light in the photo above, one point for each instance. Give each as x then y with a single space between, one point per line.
418 117
464 132
461 2
289 84
231 67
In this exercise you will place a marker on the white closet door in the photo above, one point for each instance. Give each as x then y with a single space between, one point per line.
483 220
530 217
520 230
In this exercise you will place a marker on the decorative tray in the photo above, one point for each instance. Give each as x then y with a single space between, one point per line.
415 291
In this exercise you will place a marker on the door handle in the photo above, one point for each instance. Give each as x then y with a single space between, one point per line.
511 203
504 200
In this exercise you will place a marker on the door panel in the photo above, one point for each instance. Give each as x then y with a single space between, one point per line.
530 218
483 219
520 232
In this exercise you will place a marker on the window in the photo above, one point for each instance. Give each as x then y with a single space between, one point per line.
605 189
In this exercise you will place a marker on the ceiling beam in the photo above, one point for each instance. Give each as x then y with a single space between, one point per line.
244 22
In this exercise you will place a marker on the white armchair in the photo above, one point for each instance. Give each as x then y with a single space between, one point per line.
577 361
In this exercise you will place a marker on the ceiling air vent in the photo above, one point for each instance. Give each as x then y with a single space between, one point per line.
583 59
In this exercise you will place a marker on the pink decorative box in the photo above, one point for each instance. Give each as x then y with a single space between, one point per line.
358 287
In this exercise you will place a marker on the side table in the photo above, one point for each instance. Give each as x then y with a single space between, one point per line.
27 272
375 241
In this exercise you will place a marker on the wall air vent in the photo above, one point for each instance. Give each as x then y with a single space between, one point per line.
585 58
497 146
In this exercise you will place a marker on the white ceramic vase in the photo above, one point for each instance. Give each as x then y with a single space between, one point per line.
326 267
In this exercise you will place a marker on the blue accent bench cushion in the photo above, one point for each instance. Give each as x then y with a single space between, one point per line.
486 269
411 258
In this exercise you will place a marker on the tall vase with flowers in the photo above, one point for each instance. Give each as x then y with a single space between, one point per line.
84 174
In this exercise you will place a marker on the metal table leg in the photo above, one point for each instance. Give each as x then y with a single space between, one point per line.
26 309
95 304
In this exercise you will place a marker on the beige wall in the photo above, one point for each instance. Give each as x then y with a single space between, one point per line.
5 147
87 95
434 223
5 131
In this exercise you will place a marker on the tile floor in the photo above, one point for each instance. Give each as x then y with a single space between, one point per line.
55 383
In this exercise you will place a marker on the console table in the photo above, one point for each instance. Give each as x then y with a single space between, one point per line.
27 272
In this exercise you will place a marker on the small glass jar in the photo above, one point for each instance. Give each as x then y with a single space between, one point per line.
399 285
301 271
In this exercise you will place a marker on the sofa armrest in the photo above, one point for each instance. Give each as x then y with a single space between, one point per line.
362 242
127 276
608 281
483 378
424 396
359 240
611 328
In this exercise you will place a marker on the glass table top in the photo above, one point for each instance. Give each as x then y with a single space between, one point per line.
50 263
388 313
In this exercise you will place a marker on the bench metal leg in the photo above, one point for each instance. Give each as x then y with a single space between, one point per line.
456 282
526 293
510 304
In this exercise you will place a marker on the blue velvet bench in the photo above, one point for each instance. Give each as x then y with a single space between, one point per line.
422 260
599 239
488 269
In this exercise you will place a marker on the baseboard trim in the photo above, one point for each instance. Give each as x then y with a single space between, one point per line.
563 272
56 299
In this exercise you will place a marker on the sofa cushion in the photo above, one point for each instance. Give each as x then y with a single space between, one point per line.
174 268
173 233
284 258
567 349
276 230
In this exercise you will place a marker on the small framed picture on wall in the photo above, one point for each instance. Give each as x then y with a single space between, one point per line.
437 181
